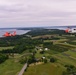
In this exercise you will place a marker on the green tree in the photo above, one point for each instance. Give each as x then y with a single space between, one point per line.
45 60
3 57
52 59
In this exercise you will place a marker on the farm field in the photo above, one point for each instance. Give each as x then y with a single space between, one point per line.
65 58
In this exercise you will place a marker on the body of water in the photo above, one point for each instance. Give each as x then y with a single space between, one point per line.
60 27
18 32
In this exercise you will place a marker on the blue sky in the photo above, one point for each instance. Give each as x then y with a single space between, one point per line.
28 13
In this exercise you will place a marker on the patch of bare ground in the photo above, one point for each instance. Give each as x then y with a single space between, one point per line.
38 63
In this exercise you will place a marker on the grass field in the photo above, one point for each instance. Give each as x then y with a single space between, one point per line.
1 48
65 59
44 69
10 67
72 53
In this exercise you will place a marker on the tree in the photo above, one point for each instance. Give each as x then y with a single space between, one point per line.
52 59
31 59
45 60
42 52
23 60
70 70
3 57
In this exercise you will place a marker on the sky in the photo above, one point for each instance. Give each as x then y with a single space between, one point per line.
36 13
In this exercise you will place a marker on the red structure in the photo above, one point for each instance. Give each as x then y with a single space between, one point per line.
67 30
9 34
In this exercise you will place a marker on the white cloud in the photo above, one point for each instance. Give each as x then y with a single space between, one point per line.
37 12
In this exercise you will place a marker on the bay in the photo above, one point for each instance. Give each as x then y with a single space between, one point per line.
18 32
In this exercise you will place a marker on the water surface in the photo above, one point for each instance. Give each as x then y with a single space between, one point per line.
18 32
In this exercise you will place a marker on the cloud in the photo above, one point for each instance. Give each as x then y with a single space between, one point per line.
37 12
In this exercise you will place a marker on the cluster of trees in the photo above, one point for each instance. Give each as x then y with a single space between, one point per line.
70 70
45 31
47 44
9 41
73 43
22 45
29 59
3 57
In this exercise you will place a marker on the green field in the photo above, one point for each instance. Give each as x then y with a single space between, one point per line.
10 67
1 48
44 69
65 59
72 53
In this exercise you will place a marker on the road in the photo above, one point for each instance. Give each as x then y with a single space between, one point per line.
23 69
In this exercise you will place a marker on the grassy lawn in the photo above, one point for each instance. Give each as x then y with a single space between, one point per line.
1 48
10 67
44 69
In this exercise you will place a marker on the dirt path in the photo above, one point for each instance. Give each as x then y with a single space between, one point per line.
23 69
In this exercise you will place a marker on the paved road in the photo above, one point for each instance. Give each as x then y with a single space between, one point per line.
23 69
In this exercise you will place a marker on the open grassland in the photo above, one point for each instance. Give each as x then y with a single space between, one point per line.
10 67
44 69
1 48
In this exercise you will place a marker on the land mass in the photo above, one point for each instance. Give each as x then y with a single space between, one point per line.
46 51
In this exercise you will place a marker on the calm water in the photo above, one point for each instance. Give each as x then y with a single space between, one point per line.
18 32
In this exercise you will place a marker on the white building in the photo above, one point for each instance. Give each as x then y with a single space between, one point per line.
46 49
